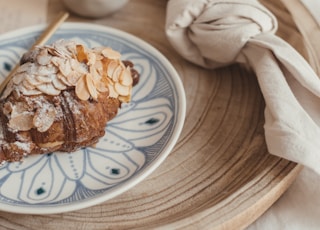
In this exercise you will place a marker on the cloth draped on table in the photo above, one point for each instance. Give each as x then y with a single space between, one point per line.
216 33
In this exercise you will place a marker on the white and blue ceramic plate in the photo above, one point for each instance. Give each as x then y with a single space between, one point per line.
136 141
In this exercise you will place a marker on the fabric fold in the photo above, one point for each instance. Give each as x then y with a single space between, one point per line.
217 33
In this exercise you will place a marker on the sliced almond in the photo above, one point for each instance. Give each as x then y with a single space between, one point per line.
45 70
44 117
125 99
82 68
49 49
33 80
57 83
43 78
91 87
79 67
43 58
7 90
74 64
109 81
81 54
112 65
102 87
125 77
96 77
63 79
50 144
121 89
48 89
18 108
61 49
91 59
99 67
22 122
28 85
27 92
19 77
73 77
71 47
116 73
82 90
57 61
110 53
25 67
65 68
112 92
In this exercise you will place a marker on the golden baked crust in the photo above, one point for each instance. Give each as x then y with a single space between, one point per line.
81 124
47 108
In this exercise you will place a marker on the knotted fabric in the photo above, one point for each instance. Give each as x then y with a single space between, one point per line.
216 33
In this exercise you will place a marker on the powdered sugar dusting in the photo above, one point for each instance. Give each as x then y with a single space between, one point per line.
26 147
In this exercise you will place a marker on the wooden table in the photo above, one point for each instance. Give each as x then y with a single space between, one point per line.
220 174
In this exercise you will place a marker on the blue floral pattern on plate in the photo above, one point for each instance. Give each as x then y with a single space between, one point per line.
136 141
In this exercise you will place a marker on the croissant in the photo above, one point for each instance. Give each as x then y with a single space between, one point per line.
61 98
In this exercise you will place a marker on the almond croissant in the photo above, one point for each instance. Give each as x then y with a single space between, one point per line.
61 98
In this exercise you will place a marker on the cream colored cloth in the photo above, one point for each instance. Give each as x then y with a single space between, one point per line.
216 33
313 7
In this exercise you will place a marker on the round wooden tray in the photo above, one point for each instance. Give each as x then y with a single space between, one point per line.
220 174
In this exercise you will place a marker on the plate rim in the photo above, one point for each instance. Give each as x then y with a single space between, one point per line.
150 168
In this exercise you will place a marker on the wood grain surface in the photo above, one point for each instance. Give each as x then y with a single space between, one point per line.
220 174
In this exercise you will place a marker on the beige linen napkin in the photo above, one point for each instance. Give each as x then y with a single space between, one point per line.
216 33
313 7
